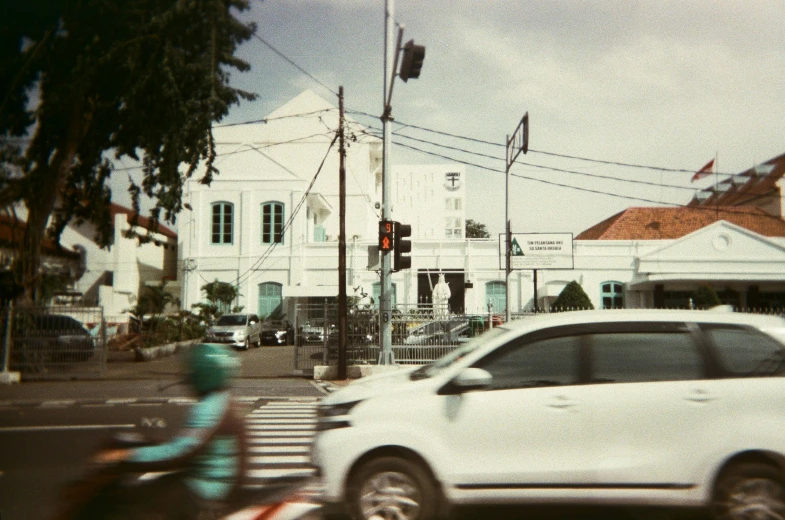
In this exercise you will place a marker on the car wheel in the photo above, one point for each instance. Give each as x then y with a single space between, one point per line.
247 344
394 488
749 492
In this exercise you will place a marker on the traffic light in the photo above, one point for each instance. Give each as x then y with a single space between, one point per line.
386 235
413 56
402 247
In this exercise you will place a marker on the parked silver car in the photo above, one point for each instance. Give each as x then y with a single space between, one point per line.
238 330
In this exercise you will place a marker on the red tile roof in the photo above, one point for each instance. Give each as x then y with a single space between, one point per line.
11 233
669 223
747 188
141 221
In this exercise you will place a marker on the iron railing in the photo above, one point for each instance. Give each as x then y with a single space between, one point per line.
57 342
420 333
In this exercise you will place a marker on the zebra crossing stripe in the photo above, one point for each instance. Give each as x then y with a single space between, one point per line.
279 449
280 435
281 440
270 460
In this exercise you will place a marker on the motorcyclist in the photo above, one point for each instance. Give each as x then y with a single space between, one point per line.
210 450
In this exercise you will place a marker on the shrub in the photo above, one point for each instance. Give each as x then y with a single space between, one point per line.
572 297
705 297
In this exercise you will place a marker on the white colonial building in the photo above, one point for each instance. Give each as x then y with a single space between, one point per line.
269 224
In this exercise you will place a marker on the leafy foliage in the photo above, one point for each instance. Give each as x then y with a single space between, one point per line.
476 229
220 296
86 81
572 297
705 297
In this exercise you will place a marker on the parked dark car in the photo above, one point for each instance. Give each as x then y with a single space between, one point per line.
277 333
51 338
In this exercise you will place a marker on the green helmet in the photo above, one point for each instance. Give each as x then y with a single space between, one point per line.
211 367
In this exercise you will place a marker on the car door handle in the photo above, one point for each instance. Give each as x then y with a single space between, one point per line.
701 396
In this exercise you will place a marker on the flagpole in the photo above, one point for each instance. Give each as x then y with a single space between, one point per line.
716 186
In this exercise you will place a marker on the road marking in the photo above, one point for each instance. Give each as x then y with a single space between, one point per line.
286 440
295 420
139 405
279 459
276 473
278 449
48 404
13 429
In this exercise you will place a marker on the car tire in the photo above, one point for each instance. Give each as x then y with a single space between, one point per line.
747 491
247 343
393 487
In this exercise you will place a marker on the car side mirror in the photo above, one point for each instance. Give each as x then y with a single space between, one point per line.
252 322
472 378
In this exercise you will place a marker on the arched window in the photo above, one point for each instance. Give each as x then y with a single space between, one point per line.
270 300
496 293
612 295
272 223
222 223
376 292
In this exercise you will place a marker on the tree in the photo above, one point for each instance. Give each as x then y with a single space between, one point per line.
476 229
572 297
110 78
220 296
705 297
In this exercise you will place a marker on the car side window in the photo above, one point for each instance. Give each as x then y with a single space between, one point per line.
630 357
544 362
743 351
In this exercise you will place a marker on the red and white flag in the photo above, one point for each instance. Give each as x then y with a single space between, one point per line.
706 170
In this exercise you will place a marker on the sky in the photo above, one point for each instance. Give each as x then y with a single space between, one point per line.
663 85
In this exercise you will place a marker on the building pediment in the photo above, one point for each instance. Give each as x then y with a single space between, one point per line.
717 251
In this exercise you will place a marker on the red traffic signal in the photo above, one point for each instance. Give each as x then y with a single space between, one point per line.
386 235
413 56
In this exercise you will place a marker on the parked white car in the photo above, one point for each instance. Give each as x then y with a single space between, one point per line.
238 330
635 407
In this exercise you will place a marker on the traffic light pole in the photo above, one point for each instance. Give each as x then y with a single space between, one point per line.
385 301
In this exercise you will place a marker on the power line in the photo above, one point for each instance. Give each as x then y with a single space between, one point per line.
286 226
291 62
539 166
553 154
577 188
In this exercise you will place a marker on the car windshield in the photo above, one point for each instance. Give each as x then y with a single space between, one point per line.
456 355
230 320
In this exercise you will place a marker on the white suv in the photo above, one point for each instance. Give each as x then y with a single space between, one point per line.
636 407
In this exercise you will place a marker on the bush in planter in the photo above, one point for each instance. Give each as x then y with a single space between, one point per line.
572 298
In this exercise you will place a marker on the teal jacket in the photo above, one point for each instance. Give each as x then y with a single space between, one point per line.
211 448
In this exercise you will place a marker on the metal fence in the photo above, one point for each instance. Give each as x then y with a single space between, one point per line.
61 342
420 334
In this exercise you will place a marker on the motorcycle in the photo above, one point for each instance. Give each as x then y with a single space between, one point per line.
96 494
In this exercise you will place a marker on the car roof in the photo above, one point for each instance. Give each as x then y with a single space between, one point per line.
717 315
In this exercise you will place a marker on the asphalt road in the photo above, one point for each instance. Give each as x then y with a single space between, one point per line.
49 429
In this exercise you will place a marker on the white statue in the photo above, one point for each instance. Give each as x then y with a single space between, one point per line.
440 296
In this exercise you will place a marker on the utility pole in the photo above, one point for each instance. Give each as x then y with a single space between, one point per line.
341 242
410 68
385 301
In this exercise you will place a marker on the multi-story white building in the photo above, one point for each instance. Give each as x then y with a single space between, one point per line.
269 224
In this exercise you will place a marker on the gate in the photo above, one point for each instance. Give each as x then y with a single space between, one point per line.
60 342
419 335
316 336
